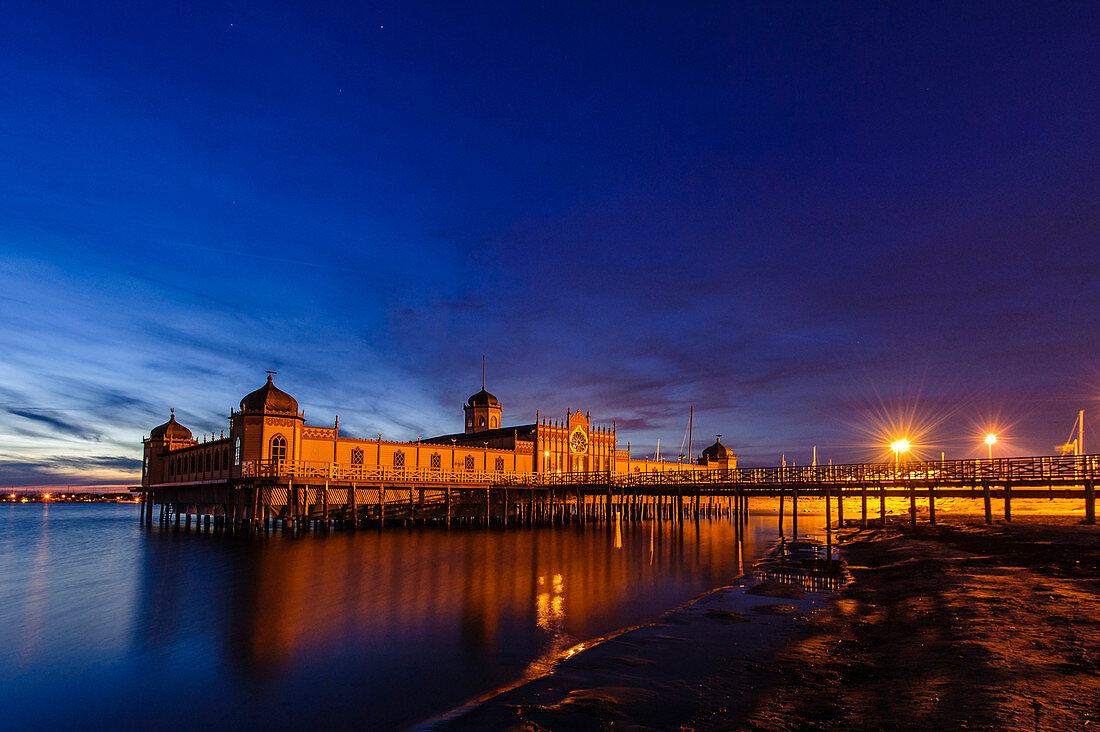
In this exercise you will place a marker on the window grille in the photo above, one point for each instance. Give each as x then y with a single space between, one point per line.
399 459
500 465
437 461
357 457
469 462
278 448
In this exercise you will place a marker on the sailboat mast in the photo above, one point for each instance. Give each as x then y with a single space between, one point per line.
691 422
1081 432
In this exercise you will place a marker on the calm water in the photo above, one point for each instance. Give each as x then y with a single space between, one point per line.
105 624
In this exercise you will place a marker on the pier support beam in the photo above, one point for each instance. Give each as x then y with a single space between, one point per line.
1090 502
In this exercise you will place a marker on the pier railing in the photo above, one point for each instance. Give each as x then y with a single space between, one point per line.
343 473
1041 470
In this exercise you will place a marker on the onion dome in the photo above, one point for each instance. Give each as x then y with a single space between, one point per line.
717 451
269 398
170 430
483 399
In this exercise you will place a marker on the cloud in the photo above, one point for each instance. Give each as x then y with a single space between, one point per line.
56 423
69 470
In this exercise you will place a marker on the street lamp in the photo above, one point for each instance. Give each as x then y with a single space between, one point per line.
899 446
990 440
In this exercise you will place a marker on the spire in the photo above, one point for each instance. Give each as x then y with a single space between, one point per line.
483 371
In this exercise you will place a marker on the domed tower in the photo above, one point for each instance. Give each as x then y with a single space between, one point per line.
268 427
482 412
718 456
162 440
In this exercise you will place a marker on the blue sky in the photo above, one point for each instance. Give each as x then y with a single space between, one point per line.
808 220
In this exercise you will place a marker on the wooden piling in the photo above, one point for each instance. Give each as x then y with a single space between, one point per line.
932 505
1090 502
1008 502
988 498
912 504
794 512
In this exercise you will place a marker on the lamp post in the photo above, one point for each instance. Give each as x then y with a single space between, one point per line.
899 446
990 441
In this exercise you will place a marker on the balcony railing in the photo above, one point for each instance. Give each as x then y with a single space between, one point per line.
1042 470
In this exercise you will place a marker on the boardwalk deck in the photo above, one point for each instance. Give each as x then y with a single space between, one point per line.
300 494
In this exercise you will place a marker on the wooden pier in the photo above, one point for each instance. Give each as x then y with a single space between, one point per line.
305 496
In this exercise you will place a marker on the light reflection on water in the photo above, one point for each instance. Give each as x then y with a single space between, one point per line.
382 629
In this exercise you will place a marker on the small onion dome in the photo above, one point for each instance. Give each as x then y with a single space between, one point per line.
483 399
170 430
269 398
717 451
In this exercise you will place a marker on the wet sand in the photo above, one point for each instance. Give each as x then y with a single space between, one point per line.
653 676
955 626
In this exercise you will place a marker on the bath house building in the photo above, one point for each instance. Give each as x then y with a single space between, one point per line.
269 433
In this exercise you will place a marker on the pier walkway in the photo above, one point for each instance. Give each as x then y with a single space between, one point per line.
302 494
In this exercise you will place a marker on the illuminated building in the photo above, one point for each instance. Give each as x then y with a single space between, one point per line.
269 429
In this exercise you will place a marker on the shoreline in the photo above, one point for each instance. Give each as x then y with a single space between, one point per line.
646 677
952 626
948 626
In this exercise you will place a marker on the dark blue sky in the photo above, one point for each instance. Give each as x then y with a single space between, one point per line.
808 220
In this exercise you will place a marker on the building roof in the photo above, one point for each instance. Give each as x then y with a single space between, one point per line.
269 398
523 433
717 451
170 430
483 399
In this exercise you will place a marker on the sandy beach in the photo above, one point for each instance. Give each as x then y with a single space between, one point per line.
954 626
959 625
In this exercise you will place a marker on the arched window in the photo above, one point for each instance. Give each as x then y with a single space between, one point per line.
357 457
437 461
481 422
237 452
470 422
469 462
493 422
399 459
225 458
191 463
500 465
278 448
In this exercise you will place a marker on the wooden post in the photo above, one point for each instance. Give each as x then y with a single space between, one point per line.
1008 502
828 529
932 505
447 500
912 504
1090 502
840 507
863 506
781 511
353 503
882 503
986 494
324 505
794 512
381 506
291 504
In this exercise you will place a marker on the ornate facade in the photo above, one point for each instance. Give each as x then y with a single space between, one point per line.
268 429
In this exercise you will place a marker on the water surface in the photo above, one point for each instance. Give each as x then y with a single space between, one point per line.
107 624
